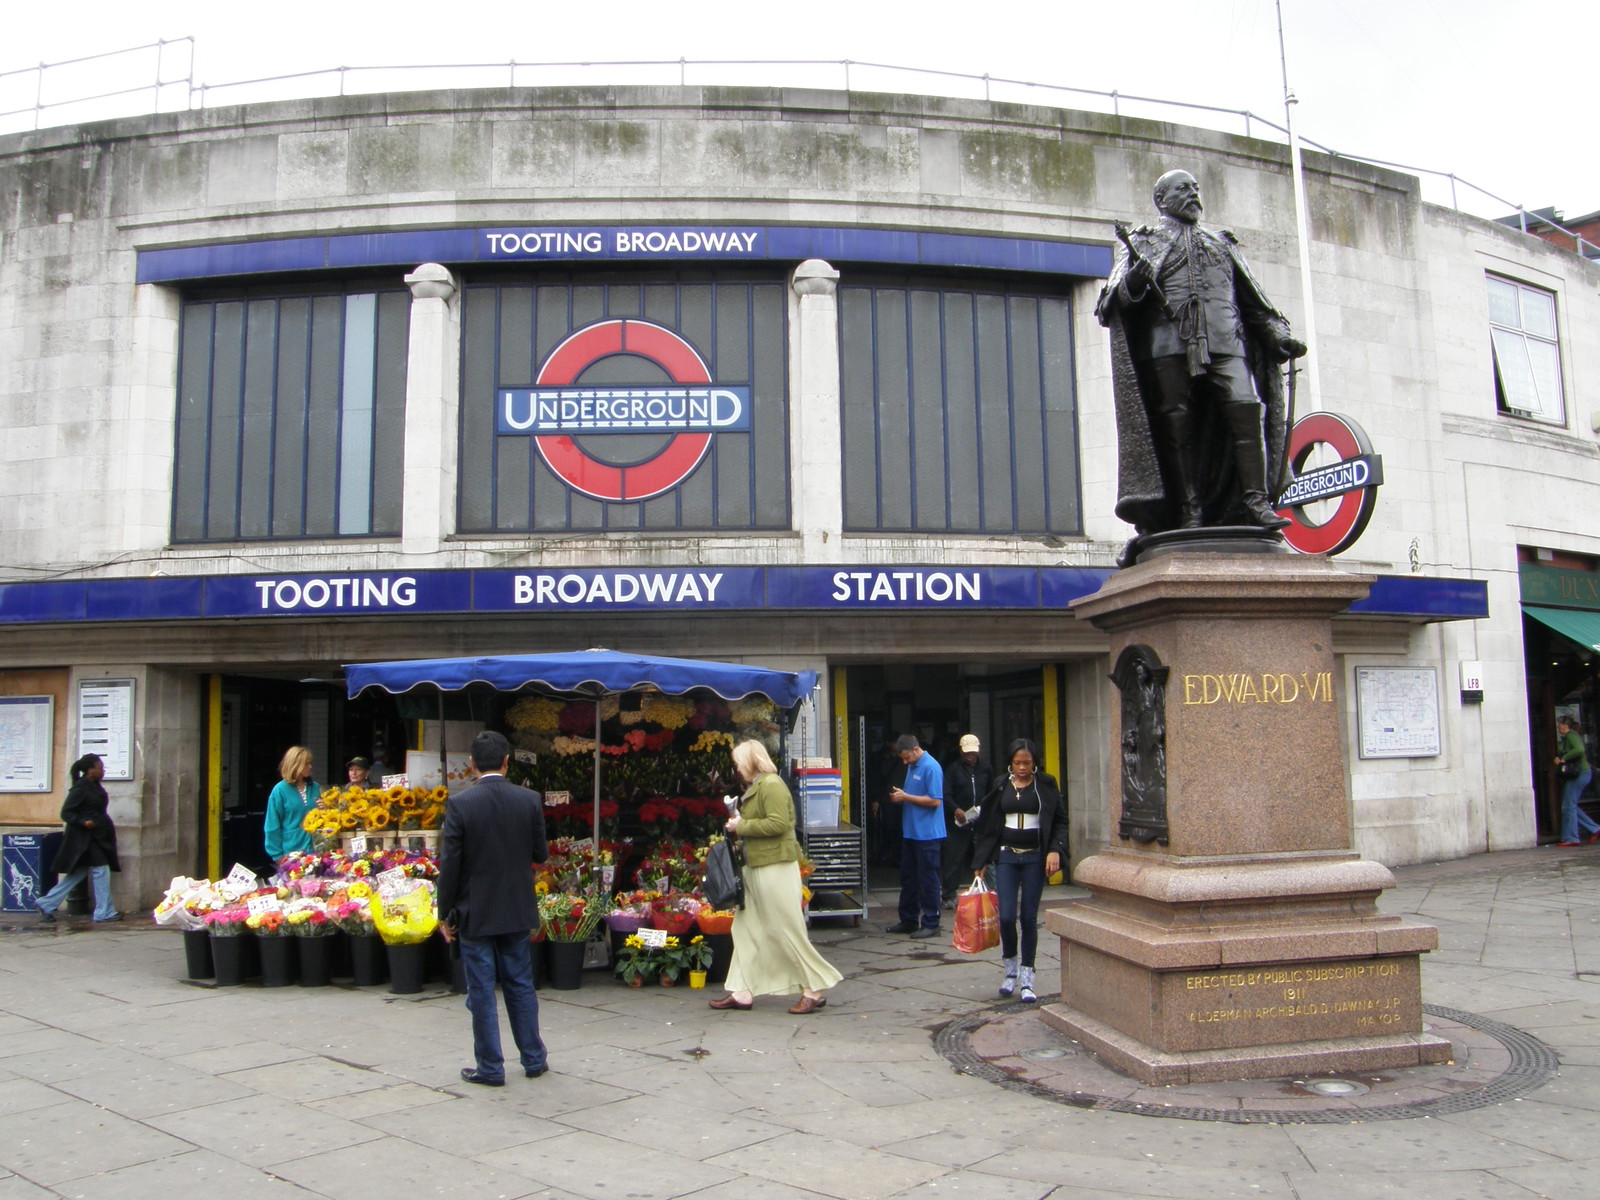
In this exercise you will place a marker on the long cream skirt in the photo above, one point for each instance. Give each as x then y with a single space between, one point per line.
772 953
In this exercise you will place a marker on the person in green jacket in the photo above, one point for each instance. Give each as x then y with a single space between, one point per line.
287 806
772 954
1575 823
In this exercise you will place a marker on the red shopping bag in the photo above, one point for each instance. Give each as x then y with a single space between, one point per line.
977 920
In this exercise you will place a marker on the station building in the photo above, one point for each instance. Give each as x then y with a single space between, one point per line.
802 378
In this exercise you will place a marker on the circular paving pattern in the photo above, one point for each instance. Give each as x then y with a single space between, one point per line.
1008 1045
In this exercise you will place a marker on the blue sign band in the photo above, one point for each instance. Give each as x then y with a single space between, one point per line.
681 589
625 243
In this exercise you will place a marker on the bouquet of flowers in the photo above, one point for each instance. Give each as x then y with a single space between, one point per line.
186 903
228 921
308 917
405 916
569 917
268 924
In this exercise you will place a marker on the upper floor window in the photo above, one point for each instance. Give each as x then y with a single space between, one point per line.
958 410
291 416
1527 361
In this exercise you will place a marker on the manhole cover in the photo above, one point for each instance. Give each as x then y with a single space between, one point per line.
1333 1087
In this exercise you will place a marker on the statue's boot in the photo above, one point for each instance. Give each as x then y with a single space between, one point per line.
1250 453
1175 446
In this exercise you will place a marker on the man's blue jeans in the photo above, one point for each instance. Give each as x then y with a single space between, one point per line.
99 882
919 881
1575 823
504 957
1019 881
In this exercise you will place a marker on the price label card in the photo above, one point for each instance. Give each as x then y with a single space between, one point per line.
258 905
391 879
607 875
656 939
390 781
241 878
659 883
552 799
358 845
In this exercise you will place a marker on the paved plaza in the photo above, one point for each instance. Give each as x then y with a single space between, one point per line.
119 1080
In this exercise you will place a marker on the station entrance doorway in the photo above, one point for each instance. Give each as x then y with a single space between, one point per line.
938 702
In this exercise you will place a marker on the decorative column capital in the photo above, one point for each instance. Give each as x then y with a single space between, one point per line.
431 281
814 278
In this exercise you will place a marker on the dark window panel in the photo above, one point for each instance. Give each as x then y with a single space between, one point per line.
193 420
770 409
927 413
1027 413
289 441
388 434
222 474
475 474
858 401
968 455
994 415
322 418
255 461
896 437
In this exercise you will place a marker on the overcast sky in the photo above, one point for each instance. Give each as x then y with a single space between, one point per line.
1482 88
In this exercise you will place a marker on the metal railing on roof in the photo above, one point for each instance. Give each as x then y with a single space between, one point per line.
812 73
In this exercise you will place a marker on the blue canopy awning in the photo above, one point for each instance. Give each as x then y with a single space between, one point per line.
588 673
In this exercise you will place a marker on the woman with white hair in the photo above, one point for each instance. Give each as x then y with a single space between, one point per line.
772 954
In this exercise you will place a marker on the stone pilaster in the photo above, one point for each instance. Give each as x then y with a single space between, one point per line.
433 371
817 491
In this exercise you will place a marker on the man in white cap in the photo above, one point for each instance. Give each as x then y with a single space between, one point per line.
967 782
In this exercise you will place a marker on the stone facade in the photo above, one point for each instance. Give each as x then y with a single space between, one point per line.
88 398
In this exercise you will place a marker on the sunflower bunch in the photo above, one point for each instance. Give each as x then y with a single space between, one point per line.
347 810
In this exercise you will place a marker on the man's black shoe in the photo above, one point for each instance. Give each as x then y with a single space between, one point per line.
534 1072
473 1075
899 927
926 933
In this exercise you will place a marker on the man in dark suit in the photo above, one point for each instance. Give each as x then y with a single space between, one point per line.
493 835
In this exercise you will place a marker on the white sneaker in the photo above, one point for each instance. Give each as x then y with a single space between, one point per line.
1025 986
1009 983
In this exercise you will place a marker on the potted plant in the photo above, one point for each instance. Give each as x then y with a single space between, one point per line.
697 958
637 962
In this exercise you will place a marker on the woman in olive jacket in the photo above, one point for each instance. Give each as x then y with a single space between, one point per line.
88 843
772 954
1022 829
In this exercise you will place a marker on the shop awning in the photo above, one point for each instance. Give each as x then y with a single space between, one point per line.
1582 627
584 673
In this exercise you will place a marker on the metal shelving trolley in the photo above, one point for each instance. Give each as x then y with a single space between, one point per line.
837 850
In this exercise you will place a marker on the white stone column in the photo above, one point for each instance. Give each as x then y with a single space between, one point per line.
433 397
817 491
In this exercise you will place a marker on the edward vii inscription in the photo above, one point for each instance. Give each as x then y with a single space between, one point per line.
1290 1002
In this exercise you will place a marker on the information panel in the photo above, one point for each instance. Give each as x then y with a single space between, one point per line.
27 724
105 724
1399 711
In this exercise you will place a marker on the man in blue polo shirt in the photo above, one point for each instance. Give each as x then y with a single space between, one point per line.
921 800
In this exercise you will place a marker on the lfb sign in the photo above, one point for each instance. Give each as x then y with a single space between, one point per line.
557 410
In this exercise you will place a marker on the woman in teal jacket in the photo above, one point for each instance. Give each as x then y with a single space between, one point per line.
288 805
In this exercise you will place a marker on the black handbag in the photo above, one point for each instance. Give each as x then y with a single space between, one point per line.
1569 769
724 881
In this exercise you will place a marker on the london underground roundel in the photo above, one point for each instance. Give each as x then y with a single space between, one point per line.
557 410
1352 480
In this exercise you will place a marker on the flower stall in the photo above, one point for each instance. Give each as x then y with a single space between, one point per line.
647 739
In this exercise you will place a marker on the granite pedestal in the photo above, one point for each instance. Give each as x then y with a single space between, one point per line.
1235 934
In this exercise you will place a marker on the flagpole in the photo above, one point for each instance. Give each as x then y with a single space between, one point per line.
1312 399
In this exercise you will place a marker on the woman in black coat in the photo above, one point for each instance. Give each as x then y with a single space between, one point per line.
88 843
1022 829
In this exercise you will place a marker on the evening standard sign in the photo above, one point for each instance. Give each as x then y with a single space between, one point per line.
567 243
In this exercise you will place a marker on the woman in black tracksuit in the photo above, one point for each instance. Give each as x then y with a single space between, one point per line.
1022 829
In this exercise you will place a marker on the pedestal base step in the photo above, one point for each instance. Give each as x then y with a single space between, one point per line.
1150 1065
